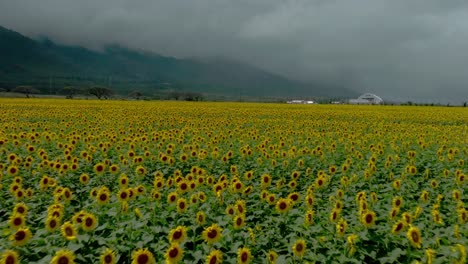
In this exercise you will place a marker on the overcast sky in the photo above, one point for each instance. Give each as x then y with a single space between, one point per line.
398 49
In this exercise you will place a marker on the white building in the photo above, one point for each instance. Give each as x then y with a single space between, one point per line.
300 102
367 98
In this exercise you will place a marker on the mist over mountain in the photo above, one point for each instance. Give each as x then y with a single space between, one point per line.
49 67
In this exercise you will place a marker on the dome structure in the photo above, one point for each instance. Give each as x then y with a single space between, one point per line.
367 98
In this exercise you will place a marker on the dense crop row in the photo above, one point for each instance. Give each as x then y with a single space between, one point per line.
143 182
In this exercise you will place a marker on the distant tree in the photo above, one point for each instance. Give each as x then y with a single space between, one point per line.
26 90
135 94
464 104
173 94
190 96
71 91
100 92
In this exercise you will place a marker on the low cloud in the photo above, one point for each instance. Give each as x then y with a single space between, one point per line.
405 50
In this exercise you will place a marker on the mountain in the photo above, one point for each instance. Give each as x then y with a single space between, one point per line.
49 67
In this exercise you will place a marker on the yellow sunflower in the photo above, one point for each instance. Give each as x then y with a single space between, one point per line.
239 221
107 257
172 198
244 255
52 223
215 257
200 218
272 257
99 168
143 256
16 221
63 256
341 227
178 234
299 248
283 205
21 236
174 254
398 227
181 205
103 196
84 178
212 234
368 218
10 257
68 231
414 236
21 208
397 202
89 223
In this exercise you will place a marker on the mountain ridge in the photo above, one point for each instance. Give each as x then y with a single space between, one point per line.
50 66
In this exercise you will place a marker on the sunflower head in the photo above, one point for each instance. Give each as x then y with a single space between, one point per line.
21 208
178 234
107 257
414 236
68 231
299 248
63 256
239 221
215 257
283 205
368 218
181 205
398 227
21 236
10 257
174 254
143 256
89 223
52 223
16 221
212 234
272 257
244 255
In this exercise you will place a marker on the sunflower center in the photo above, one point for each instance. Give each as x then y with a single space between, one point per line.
69 231
244 256
239 221
415 237
173 252
10 260
63 260
108 259
212 233
20 235
123 195
282 206
103 197
369 218
399 227
20 210
89 222
299 247
177 235
142 259
213 260
53 223
18 221
182 205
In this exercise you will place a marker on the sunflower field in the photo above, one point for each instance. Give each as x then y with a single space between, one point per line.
85 181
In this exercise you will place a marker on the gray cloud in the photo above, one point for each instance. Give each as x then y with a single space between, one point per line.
399 49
